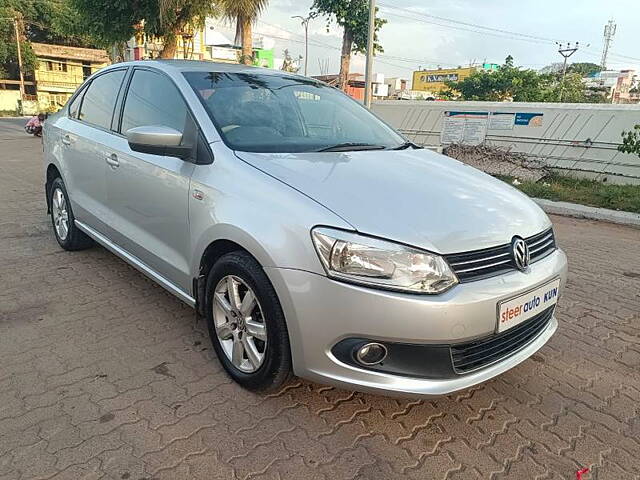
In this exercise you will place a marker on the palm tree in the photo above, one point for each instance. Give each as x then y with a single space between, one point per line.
174 17
244 13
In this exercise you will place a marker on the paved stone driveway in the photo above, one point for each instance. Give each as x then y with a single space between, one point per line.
104 375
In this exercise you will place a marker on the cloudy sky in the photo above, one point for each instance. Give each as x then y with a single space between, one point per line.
414 37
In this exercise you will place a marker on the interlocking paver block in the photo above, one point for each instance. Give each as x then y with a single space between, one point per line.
104 375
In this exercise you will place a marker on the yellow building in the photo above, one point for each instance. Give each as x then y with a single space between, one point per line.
61 69
433 81
189 46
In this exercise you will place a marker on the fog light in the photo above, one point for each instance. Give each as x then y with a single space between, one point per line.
371 353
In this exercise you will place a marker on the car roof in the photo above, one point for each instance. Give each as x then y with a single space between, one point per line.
203 66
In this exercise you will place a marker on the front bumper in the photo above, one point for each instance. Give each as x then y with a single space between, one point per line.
321 312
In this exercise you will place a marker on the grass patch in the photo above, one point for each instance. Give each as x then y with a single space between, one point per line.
583 191
8 113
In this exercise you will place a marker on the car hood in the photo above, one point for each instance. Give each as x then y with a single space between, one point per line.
416 197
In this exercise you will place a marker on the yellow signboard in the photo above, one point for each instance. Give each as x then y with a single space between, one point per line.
434 80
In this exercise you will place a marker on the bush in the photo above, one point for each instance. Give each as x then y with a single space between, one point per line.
631 141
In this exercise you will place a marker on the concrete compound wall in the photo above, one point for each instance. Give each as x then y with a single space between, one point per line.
9 100
579 139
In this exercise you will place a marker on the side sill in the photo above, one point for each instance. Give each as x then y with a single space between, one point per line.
137 264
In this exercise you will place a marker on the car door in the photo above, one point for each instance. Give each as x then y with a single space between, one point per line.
85 137
148 194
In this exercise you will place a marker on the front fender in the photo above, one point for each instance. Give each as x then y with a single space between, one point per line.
269 219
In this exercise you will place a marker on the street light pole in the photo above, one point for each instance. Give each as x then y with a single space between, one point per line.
305 24
566 52
368 78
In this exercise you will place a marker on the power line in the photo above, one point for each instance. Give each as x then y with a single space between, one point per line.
466 29
331 47
622 59
474 27
482 29
379 56
320 45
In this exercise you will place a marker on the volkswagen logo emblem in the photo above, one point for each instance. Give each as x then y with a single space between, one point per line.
520 253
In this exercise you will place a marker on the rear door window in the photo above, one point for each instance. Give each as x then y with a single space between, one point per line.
100 98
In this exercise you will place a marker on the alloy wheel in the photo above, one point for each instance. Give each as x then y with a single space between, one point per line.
60 214
239 323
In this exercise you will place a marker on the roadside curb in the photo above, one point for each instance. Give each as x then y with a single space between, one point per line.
592 213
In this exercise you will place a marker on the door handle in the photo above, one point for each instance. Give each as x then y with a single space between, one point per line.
66 140
112 161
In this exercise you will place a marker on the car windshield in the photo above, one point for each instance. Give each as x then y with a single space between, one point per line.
280 113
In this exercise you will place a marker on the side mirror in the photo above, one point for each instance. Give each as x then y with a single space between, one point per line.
158 140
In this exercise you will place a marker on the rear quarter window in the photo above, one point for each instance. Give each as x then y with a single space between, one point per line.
99 100
74 106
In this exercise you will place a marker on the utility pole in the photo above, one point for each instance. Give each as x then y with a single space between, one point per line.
368 78
566 51
609 32
15 28
305 24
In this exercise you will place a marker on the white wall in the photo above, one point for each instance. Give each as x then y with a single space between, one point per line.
9 100
581 138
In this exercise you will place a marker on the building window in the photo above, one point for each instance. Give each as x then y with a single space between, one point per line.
56 66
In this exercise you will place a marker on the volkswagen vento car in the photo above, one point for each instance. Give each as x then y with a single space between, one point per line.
315 239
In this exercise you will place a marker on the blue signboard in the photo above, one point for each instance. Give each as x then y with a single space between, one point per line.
529 119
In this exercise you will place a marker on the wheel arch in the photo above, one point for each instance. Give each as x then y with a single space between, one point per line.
215 250
222 240
52 173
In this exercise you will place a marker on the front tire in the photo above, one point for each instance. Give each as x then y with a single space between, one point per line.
246 323
67 234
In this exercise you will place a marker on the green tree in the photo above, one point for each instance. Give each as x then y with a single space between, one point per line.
584 68
175 17
47 21
8 47
353 17
631 141
508 62
507 83
572 88
244 13
111 22
511 83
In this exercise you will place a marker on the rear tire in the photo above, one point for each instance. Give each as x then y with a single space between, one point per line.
246 323
67 233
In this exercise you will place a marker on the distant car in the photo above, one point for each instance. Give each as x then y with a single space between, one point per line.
314 238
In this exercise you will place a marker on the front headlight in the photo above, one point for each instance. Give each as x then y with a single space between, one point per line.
379 263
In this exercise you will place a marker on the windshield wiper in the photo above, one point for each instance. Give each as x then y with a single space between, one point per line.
351 146
406 145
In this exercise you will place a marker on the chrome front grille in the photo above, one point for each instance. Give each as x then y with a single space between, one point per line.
490 262
541 245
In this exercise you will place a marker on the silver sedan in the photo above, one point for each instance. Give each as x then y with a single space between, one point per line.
314 239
